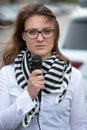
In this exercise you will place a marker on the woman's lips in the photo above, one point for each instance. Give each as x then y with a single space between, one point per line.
40 46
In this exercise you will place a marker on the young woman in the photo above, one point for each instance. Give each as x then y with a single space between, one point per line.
49 98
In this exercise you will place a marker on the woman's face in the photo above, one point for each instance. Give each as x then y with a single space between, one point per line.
39 45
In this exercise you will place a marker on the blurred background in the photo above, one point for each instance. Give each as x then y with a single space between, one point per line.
10 8
72 18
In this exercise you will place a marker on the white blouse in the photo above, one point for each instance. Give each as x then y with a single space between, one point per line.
70 114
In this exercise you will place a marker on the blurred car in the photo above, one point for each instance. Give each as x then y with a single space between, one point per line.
8 13
83 3
6 16
73 42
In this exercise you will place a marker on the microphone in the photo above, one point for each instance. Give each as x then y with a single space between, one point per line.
36 63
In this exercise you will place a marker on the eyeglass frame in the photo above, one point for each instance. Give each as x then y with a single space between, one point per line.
39 32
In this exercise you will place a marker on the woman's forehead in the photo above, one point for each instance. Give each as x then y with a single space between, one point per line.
38 20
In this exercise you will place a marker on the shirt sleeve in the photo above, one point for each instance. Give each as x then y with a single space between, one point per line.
78 119
11 114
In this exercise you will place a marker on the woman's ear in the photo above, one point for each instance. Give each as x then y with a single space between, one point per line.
23 36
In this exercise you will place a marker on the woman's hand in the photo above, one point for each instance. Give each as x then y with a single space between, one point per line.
35 83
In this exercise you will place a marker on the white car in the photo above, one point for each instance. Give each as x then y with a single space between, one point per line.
8 13
73 42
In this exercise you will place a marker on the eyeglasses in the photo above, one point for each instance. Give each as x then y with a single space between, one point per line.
33 33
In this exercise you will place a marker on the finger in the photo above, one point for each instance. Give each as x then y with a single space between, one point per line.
37 72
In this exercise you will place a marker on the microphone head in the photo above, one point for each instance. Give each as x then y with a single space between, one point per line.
36 62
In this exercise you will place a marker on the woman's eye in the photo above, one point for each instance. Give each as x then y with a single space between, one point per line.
47 31
32 32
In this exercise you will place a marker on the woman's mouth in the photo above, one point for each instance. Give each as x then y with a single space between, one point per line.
40 46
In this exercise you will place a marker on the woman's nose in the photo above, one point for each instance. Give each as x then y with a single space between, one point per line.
40 37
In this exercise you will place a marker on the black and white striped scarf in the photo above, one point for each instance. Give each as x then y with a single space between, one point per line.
56 72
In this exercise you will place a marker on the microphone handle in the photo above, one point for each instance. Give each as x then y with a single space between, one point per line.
37 64
34 67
